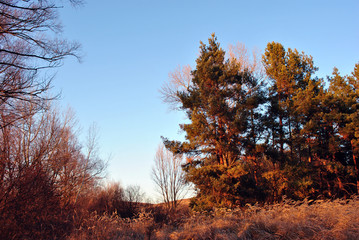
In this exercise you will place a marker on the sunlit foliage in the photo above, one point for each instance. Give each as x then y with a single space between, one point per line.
256 136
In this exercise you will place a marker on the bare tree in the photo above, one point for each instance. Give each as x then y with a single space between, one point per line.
169 177
134 194
247 61
133 197
42 171
92 161
107 198
178 80
29 42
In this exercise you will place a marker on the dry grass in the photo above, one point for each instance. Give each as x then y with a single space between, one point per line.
338 219
109 227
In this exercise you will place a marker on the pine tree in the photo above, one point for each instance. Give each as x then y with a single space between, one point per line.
352 128
300 140
343 98
290 72
292 103
222 106
218 104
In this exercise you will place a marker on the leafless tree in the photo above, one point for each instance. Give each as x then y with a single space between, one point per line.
92 161
134 194
178 80
42 170
29 42
250 61
107 198
133 197
169 177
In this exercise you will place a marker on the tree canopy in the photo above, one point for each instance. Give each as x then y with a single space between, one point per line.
253 138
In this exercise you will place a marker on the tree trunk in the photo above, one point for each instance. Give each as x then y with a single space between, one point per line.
356 167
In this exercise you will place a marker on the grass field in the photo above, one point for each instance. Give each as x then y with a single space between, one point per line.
336 219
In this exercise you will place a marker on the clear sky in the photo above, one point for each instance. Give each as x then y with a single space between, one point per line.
129 47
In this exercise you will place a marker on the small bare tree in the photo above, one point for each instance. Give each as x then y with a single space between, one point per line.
169 177
134 194
133 197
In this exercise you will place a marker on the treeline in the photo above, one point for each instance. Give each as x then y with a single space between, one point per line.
258 134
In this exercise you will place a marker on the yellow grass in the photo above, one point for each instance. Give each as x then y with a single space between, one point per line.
337 219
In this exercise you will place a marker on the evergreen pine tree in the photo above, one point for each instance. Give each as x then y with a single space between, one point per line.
222 106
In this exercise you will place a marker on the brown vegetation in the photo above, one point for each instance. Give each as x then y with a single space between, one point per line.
335 219
243 147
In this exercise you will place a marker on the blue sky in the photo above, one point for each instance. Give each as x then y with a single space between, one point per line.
129 47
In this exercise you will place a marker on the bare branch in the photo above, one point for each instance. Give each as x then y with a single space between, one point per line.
26 48
178 80
247 61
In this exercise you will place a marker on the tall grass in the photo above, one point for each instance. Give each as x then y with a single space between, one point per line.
109 227
336 219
